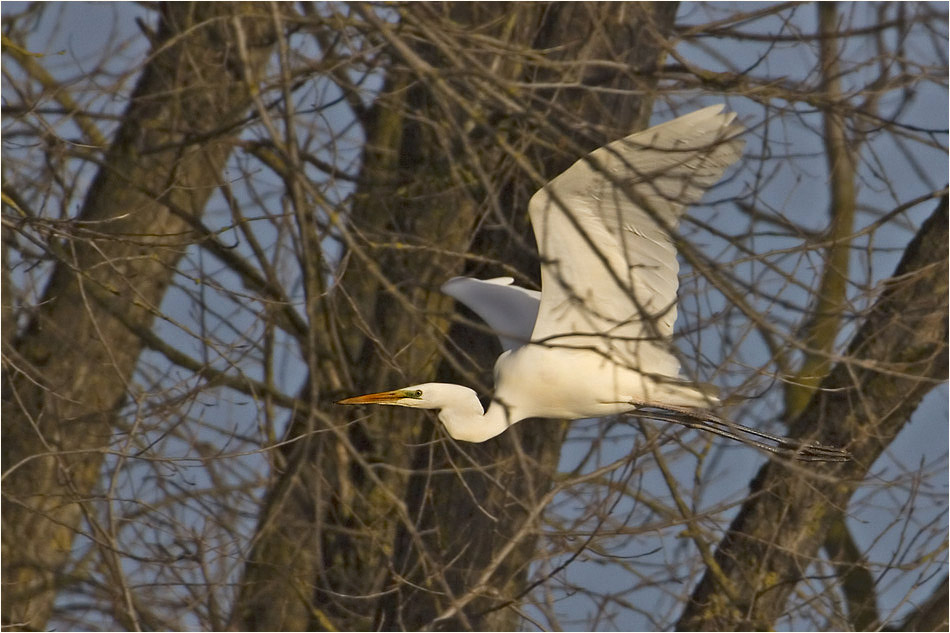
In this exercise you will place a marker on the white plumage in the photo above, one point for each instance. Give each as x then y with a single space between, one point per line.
596 340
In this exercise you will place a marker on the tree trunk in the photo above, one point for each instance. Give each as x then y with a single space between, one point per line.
70 371
340 547
898 355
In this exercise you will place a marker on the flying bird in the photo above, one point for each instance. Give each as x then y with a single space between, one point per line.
596 341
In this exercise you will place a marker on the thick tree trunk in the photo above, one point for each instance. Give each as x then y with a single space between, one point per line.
898 355
465 561
338 546
70 371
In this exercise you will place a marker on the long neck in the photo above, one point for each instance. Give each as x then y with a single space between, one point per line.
468 422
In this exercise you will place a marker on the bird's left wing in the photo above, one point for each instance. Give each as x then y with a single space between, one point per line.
510 311
608 262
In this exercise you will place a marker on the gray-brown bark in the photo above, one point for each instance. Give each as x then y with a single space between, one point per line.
463 505
469 517
898 355
68 374
932 615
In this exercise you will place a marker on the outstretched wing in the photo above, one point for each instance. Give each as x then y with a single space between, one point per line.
609 272
510 311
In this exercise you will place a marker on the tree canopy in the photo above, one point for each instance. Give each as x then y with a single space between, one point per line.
220 218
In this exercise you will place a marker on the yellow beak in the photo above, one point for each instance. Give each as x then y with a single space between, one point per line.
383 397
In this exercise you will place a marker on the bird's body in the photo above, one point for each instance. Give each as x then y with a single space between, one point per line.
595 386
596 341
600 341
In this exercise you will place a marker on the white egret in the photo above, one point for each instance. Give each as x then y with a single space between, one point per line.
596 340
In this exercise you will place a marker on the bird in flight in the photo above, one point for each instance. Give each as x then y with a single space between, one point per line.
596 341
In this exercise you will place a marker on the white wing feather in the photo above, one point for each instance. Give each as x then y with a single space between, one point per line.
510 311
609 269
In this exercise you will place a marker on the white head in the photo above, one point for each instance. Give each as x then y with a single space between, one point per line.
459 408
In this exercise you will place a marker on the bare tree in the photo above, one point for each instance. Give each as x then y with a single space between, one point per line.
196 268
71 368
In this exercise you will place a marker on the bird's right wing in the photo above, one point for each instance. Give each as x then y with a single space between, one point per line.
510 311
609 272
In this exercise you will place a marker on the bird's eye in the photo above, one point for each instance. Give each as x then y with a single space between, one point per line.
415 393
